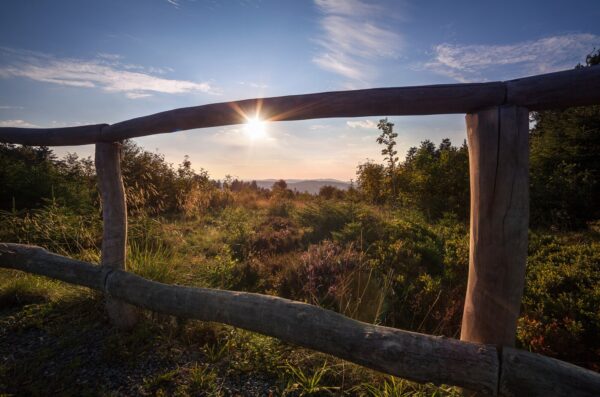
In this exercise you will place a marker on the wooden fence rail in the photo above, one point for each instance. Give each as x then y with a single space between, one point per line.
497 129
411 355
554 90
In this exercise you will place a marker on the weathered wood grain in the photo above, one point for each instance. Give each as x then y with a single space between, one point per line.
529 374
498 167
565 89
555 90
37 260
81 135
436 99
114 225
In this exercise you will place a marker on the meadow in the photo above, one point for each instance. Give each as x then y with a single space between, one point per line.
382 263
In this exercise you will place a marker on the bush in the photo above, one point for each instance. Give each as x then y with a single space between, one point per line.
323 218
562 296
276 235
280 207
238 228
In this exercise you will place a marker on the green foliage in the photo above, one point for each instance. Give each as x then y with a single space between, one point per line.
396 387
55 227
280 207
31 177
323 218
215 351
562 296
238 227
203 379
565 167
222 270
151 261
388 139
20 289
433 180
303 384
331 193
371 182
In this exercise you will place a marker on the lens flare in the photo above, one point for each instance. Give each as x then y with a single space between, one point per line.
255 128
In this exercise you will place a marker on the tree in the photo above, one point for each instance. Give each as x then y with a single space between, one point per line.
565 165
329 192
280 185
388 139
280 190
435 180
30 177
371 180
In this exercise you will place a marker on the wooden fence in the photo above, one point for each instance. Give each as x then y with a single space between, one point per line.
484 360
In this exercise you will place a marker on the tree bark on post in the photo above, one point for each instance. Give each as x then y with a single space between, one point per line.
114 234
498 167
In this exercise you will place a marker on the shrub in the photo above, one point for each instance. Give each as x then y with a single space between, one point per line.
323 218
280 207
562 295
238 228
276 235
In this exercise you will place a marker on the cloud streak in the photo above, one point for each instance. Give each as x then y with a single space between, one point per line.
352 38
17 123
476 62
110 75
366 124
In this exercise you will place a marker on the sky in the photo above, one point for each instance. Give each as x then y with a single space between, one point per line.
68 63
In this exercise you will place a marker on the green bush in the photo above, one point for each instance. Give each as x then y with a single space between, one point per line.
323 218
560 315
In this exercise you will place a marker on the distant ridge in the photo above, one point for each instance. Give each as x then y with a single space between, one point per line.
311 186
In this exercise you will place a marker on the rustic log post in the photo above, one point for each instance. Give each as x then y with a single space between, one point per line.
498 168
114 218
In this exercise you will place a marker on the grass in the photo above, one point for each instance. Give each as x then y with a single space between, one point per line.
59 340
307 384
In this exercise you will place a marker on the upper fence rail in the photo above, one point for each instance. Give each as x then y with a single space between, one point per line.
576 87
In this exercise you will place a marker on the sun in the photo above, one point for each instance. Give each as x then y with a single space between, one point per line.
255 128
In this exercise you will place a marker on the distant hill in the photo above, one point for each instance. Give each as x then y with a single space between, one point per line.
311 186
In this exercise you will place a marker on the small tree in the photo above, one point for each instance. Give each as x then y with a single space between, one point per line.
370 178
280 185
388 139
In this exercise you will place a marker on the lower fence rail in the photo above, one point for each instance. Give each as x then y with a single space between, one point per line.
418 357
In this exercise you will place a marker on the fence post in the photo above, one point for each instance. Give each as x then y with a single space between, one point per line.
114 218
498 168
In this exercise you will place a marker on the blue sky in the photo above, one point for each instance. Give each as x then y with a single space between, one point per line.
78 62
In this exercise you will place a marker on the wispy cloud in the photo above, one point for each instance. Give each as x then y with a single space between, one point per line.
17 123
175 3
366 124
8 107
479 62
109 56
106 73
253 84
353 37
